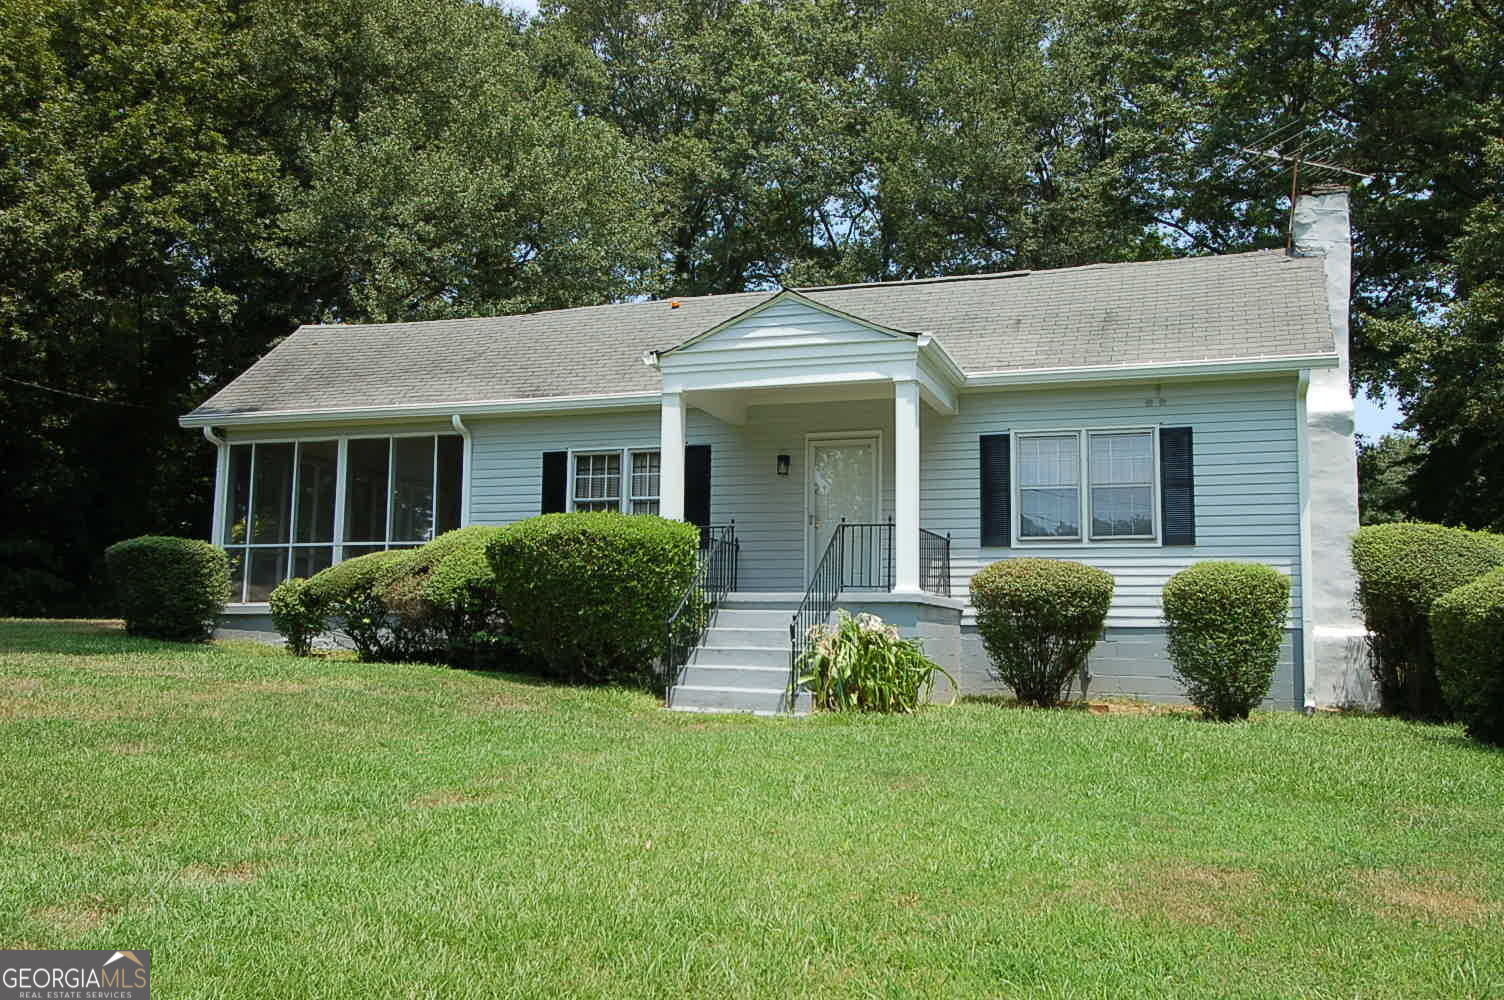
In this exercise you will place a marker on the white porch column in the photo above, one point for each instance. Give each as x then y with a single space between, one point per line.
906 486
671 458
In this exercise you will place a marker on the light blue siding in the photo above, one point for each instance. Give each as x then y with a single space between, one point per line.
768 508
1247 479
1247 490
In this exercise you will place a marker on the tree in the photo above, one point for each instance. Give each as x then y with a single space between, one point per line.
182 182
1385 471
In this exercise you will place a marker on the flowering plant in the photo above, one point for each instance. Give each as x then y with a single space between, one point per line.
860 663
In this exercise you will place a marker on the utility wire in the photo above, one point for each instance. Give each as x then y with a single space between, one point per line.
69 392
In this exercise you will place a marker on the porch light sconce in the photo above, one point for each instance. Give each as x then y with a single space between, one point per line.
783 465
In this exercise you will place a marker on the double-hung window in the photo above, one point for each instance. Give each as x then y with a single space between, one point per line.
1086 485
600 484
1122 484
1049 486
645 472
597 481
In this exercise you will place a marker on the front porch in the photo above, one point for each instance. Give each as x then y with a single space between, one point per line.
820 419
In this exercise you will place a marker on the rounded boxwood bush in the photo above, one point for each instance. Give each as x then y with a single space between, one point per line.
169 588
349 593
1039 618
296 616
1226 622
1402 570
588 594
1467 626
445 596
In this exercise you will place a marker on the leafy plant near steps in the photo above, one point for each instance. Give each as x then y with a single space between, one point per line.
861 664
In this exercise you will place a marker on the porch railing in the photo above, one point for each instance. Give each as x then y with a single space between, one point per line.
859 557
934 562
714 578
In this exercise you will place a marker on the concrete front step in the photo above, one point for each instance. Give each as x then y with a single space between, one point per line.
743 663
741 656
753 618
735 635
762 601
761 701
759 678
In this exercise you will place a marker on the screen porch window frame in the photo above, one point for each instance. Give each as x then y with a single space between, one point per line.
1085 538
626 499
338 545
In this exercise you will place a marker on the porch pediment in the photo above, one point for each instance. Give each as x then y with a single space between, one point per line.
791 342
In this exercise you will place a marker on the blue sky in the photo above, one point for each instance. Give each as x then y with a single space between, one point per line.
1376 419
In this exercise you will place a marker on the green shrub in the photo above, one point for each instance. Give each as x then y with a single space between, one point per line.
169 588
1039 618
1402 570
861 665
445 597
588 594
1467 625
1226 622
296 616
349 593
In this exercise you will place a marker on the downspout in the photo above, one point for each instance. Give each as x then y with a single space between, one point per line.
1303 474
221 475
464 432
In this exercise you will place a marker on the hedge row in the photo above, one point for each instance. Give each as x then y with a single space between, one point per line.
1040 618
577 596
1403 569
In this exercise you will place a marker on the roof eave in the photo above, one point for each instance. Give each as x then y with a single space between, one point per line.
1153 370
379 414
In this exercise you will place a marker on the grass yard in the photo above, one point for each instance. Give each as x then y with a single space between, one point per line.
278 827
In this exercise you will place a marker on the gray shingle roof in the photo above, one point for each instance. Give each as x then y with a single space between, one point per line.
1251 305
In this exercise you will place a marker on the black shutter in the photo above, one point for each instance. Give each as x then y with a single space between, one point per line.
697 484
1177 481
997 491
555 479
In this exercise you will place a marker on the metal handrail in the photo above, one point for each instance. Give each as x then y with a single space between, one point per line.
934 562
859 556
714 578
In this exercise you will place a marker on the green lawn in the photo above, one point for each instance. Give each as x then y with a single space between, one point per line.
278 827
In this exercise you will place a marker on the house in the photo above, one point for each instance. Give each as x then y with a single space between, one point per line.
1137 416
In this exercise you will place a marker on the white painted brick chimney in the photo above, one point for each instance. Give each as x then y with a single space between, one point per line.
1336 672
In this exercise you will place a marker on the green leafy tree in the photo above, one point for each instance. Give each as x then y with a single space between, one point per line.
1385 471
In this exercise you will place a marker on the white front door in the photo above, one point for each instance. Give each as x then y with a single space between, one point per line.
842 482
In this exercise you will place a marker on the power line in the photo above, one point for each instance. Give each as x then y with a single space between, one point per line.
75 395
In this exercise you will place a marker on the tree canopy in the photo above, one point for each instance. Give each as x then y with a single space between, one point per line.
183 182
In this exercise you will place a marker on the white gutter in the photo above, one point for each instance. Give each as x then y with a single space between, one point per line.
221 483
465 465
1172 369
501 407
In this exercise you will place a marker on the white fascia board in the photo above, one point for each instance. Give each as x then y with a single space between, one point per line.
1134 373
507 407
765 377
